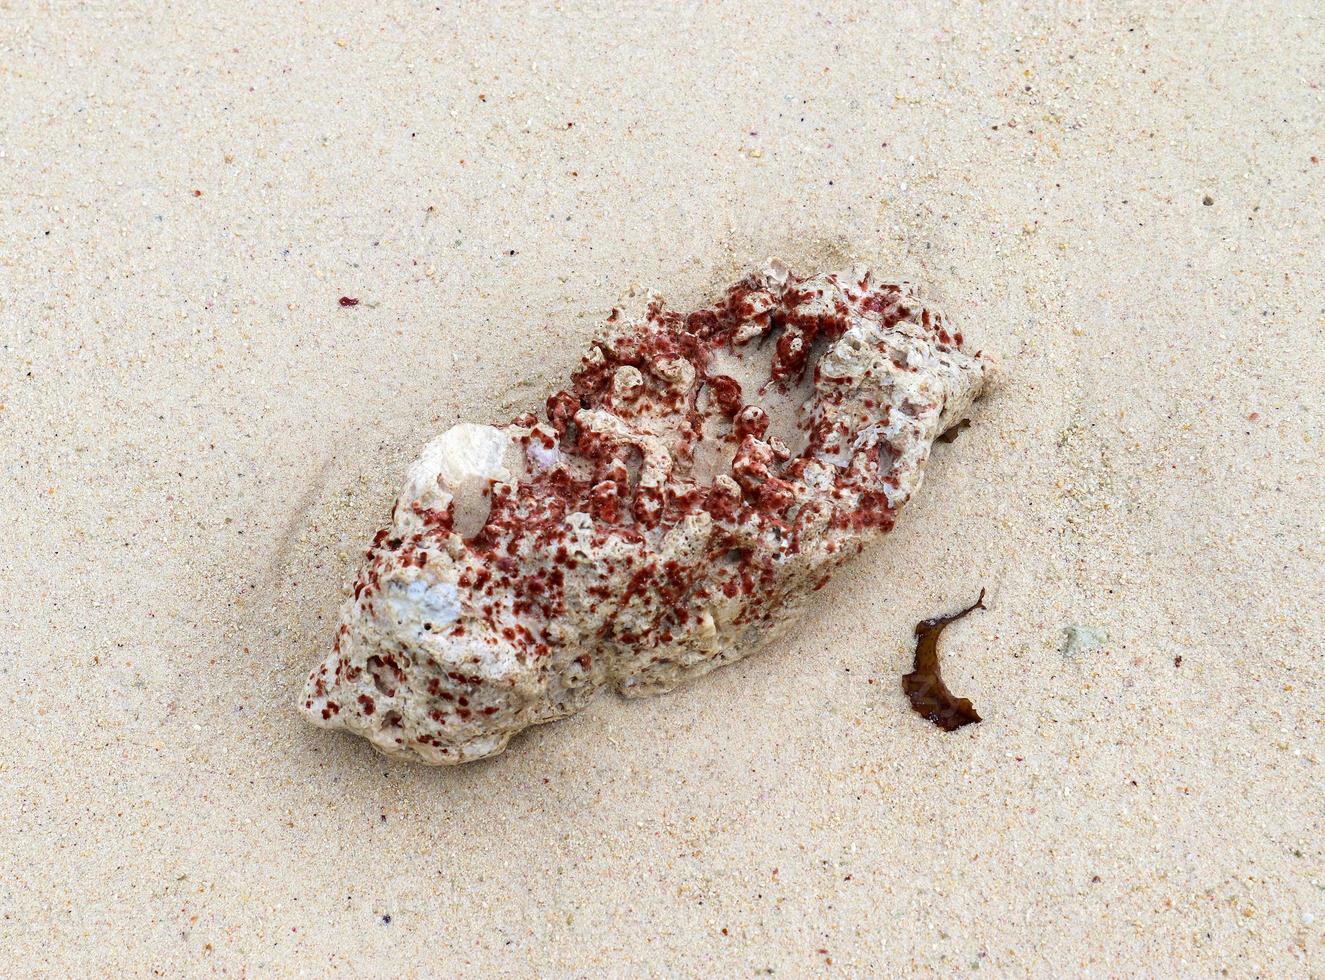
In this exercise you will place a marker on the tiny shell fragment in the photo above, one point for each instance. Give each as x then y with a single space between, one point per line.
672 512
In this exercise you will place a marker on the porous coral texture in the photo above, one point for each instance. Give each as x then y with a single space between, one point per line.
702 476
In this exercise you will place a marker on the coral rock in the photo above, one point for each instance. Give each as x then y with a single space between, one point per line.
701 477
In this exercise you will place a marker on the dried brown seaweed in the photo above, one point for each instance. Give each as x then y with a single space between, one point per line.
929 696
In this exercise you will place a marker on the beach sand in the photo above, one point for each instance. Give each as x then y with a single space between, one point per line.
1123 201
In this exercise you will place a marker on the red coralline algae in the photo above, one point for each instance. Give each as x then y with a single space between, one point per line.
671 512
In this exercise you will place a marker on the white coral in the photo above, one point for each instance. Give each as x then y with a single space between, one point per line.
701 477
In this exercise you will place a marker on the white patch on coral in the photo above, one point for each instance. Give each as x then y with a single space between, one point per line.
541 456
424 608
459 466
468 454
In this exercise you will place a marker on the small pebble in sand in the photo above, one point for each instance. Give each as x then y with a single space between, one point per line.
1078 640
